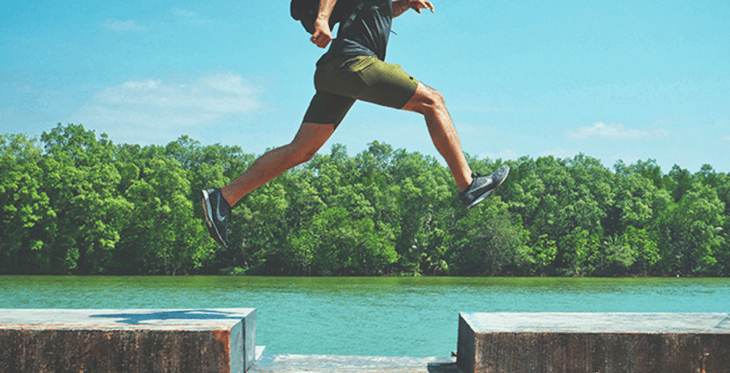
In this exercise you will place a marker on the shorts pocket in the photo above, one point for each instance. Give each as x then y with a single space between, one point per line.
357 64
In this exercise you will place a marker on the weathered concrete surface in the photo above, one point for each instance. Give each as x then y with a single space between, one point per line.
353 364
594 342
189 340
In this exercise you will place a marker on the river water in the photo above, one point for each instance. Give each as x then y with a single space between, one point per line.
370 316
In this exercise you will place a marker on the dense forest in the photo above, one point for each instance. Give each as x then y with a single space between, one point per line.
76 203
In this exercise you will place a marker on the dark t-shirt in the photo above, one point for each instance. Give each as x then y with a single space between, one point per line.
366 35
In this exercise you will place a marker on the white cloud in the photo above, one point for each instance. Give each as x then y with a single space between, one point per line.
123 26
726 138
187 16
183 13
152 108
613 131
212 95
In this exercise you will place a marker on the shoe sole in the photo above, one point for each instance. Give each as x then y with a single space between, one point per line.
208 213
489 192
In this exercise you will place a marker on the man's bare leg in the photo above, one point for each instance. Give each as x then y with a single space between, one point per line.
306 143
430 103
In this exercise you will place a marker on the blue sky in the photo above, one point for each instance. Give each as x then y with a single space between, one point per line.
629 80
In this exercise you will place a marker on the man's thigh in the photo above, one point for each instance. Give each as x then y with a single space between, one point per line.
366 78
342 81
387 84
327 108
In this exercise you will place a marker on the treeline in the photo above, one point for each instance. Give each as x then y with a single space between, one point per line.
75 203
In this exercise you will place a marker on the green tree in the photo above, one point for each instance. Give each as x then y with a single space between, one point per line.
74 202
693 232
617 255
161 235
25 205
425 197
83 188
642 249
487 242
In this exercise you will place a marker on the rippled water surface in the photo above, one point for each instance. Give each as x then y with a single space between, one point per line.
367 316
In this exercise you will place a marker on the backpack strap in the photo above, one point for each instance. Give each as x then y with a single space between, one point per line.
353 16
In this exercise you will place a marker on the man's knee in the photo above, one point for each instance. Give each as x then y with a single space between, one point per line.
426 99
302 154
307 155
308 140
437 98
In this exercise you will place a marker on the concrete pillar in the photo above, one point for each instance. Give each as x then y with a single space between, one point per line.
594 342
185 340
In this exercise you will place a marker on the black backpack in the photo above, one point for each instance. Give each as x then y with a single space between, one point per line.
306 12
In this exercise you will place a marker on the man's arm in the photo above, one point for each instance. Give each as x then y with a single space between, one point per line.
401 6
322 32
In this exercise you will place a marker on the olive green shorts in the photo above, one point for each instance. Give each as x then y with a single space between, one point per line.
342 81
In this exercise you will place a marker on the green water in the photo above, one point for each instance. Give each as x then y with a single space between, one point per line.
367 316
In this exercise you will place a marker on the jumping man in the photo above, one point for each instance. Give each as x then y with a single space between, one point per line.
354 69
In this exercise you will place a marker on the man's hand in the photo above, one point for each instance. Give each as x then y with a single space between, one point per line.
417 5
322 34
401 6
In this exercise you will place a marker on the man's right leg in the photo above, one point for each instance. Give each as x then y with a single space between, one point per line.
306 143
217 203
324 114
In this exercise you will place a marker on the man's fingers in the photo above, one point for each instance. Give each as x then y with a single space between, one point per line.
421 4
320 38
429 5
321 41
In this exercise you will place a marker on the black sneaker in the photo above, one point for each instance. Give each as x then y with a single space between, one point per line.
482 186
216 211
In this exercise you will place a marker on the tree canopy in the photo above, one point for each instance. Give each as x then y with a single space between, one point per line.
73 202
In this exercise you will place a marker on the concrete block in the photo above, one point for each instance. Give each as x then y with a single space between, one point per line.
594 342
136 340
